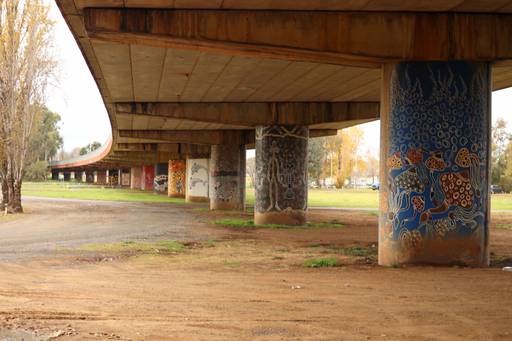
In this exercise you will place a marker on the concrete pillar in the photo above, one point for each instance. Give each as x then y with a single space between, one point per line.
125 178
148 176
72 176
197 180
435 153
227 177
136 178
160 182
176 178
90 177
101 177
83 176
281 175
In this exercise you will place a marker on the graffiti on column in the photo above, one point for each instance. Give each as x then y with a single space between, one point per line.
438 149
198 177
281 178
177 176
160 183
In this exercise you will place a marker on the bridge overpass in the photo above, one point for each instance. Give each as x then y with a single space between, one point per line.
199 80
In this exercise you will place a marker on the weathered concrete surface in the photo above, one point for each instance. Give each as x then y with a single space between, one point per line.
227 177
136 178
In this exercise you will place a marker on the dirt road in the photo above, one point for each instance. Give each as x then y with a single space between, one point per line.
242 284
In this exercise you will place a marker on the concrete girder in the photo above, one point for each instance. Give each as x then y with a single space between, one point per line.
366 39
246 115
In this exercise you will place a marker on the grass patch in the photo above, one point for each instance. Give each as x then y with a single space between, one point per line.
248 223
163 246
75 190
504 226
358 251
322 263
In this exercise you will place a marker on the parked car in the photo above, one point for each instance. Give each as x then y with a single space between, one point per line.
496 189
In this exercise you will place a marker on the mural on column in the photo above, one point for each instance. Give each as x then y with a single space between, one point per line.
225 176
197 178
281 173
148 175
437 163
160 182
177 170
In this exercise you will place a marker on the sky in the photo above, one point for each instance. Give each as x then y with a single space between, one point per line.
76 98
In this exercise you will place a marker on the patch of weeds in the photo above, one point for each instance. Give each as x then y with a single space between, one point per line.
283 250
166 246
277 258
247 223
210 243
232 264
504 226
358 251
498 261
395 266
322 263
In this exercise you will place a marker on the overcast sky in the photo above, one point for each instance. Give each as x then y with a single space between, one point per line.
84 117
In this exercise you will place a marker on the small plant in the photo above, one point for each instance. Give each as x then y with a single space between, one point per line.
321 263
395 266
277 258
358 251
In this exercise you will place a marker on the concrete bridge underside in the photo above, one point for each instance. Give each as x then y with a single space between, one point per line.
201 80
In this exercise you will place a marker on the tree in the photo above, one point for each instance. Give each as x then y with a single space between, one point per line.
90 148
48 140
316 158
251 169
500 142
342 151
25 68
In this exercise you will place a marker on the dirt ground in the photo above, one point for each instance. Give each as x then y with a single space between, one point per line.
232 283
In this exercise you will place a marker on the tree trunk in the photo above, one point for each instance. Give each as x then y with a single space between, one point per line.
5 194
14 196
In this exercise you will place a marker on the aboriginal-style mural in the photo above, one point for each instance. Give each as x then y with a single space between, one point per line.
197 178
177 175
281 168
225 177
160 181
148 176
437 163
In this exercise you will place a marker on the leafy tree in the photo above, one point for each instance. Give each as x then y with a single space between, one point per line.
47 139
342 151
316 158
90 148
250 167
36 171
500 143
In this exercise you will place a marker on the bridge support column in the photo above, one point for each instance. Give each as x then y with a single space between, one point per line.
435 154
136 178
161 181
227 177
101 177
197 180
281 175
176 177
148 176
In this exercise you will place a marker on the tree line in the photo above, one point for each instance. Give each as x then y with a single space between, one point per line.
26 69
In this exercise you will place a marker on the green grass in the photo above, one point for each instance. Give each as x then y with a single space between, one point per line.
70 190
344 198
248 223
321 263
367 198
165 246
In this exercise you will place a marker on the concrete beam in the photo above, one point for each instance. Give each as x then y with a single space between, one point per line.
365 39
247 115
208 137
